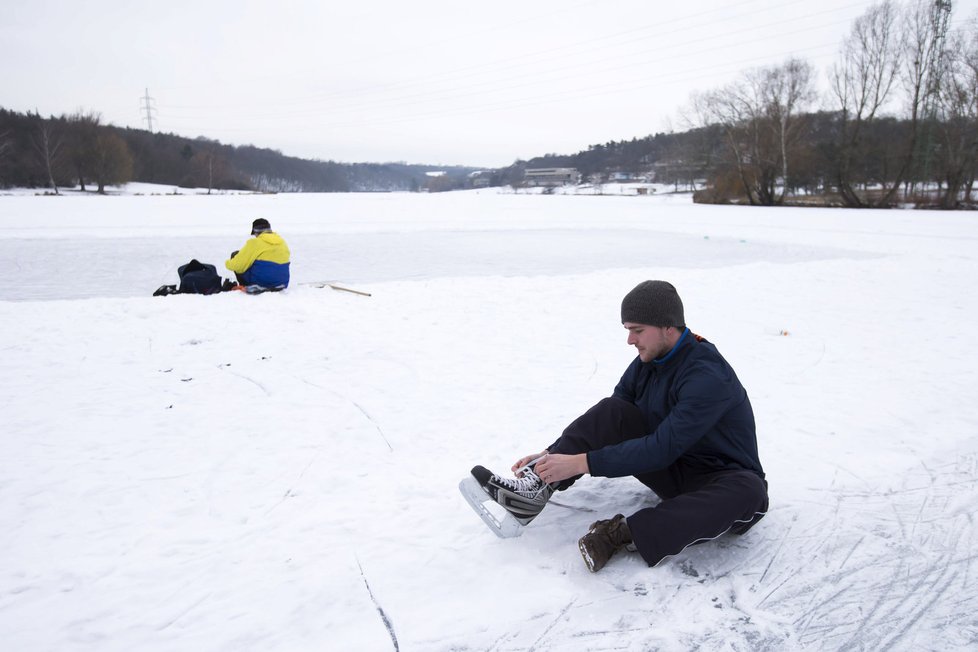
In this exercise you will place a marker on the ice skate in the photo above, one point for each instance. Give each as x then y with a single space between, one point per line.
523 497
506 504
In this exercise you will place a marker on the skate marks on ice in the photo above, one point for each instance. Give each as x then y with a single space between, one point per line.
881 568
697 600
380 610
628 606
536 639
882 564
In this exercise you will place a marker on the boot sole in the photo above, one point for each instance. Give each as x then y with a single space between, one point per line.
587 557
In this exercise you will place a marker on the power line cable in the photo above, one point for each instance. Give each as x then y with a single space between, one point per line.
360 103
525 60
497 86
655 81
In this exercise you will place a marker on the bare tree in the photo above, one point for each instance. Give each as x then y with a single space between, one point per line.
926 26
957 110
787 90
5 145
49 145
207 163
732 110
210 170
862 84
112 162
83 133
762 116
886 49
969 72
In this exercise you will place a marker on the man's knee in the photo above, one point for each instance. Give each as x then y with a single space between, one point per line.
623 417
610 421
731 501
748 498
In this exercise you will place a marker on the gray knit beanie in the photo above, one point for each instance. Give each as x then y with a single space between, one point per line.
655 303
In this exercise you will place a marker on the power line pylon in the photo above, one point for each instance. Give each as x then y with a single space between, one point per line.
147 106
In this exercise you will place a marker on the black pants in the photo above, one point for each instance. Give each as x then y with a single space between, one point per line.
697 504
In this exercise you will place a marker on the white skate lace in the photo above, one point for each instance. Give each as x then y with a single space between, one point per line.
530 483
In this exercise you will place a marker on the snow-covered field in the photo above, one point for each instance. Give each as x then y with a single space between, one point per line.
278 472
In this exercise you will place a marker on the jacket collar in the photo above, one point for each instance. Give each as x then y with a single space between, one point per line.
679 344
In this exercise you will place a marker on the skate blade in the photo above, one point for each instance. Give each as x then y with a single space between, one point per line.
501 522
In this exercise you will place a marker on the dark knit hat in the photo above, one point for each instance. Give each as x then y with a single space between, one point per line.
655 303
260 226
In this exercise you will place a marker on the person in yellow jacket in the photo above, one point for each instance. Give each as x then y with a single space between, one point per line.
263 260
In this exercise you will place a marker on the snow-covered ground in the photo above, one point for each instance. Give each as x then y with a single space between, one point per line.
278 472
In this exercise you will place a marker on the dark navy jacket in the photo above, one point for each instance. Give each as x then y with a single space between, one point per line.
696 409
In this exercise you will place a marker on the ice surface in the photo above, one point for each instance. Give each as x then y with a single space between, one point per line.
278 472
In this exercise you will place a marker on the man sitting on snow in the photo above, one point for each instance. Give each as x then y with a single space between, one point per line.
263 260
679 421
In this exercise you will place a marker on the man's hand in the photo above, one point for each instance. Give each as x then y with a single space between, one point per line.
523 461
555 467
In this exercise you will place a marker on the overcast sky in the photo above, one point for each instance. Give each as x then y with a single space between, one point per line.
436 81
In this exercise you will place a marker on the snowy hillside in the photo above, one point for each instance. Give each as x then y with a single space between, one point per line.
278 472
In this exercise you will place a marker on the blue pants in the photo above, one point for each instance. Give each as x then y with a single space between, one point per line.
697 504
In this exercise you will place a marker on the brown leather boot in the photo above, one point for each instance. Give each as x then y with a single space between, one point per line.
604 539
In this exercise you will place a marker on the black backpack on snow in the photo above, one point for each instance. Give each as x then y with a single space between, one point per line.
199 278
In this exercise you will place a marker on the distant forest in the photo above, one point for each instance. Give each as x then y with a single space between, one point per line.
78 150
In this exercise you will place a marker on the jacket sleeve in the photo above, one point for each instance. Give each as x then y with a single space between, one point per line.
245 258
704 396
